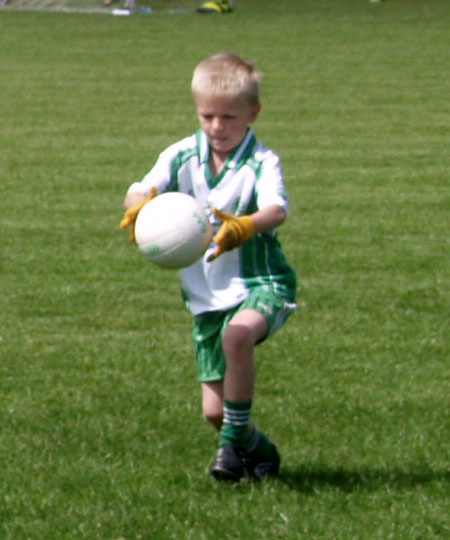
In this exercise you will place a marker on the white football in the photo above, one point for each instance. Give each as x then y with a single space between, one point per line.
172 230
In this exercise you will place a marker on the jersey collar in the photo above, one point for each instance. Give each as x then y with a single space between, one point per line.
234 159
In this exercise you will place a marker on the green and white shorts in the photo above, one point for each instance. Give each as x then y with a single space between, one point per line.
209 327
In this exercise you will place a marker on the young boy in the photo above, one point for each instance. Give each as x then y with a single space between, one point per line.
242 290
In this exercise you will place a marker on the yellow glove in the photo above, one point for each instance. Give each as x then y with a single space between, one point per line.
129 218
234 232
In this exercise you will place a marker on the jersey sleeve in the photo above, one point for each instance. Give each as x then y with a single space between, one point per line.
270 188
160 175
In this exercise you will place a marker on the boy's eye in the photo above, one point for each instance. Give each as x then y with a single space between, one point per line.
226 117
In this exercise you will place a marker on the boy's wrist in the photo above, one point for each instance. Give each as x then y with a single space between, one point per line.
247 224
233 233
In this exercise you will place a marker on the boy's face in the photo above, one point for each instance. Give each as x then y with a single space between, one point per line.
225 121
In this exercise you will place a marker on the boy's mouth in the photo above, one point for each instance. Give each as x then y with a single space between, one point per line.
219 141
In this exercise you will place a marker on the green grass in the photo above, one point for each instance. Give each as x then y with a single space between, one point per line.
102 435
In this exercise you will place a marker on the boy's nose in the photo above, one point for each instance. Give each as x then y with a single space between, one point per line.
216 123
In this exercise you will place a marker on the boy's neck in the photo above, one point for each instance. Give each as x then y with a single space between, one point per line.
217 162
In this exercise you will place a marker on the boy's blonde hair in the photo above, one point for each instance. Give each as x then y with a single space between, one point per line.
227 75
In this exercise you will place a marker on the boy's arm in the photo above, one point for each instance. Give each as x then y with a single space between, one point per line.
236 230
268 218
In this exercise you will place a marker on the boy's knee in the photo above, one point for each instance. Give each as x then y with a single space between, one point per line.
236 338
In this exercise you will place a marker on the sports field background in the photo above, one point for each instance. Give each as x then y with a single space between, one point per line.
99 6
101 432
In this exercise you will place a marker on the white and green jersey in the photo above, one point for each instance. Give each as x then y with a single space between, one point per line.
251 180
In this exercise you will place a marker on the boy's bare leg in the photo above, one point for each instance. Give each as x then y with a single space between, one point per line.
212 403
245 329
244 450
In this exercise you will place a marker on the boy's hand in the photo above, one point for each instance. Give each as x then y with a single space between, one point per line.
129 218
234 232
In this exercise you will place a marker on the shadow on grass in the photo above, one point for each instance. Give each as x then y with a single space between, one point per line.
311 480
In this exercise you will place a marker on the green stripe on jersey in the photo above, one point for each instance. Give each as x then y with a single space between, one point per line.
180 159
264 265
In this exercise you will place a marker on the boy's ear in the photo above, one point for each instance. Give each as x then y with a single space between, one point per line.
255 111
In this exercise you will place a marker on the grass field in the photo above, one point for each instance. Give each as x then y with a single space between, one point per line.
101 432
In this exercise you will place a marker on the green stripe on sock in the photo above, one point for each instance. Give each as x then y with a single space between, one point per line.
236 417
